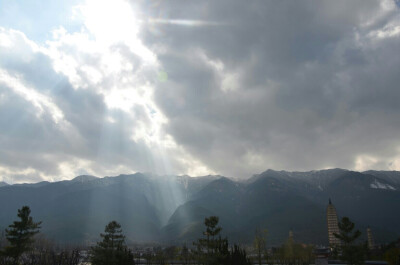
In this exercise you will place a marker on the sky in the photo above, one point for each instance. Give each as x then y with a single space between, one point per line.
226 87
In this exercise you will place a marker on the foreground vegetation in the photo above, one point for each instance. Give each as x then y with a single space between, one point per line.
21 244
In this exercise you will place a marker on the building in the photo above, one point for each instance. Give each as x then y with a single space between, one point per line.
333 227
321 255
291 234
371 243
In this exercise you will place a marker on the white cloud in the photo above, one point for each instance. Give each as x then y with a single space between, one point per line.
365 162
108 122
40 101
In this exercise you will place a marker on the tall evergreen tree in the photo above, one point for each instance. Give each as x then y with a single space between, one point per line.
212 230
211 247
20 235
112 249
214 250
351 252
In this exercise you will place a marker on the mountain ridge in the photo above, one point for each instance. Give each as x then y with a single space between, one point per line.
171 209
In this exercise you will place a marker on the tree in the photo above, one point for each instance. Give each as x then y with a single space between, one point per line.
211 248
392 256
47 252
212 230
159 256
20 235
215 250
292 252
112 249
171 252
260 243
185 255
238 256
352 253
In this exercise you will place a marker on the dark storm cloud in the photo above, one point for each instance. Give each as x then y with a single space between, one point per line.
314 84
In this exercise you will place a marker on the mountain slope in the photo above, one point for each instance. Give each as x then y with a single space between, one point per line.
77 210
3 184
281 200
171 209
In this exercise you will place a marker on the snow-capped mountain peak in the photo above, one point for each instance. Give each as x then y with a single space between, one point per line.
378 185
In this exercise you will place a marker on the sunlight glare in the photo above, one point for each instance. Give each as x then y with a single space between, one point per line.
114 22
109 21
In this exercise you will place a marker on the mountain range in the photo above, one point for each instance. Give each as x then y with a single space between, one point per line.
171 209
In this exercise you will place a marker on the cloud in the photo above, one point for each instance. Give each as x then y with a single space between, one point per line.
287 85
227 87
81 104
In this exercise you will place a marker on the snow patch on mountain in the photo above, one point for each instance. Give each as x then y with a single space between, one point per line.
378 185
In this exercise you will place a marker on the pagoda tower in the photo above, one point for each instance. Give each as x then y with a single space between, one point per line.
371 243
291 233
333 227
